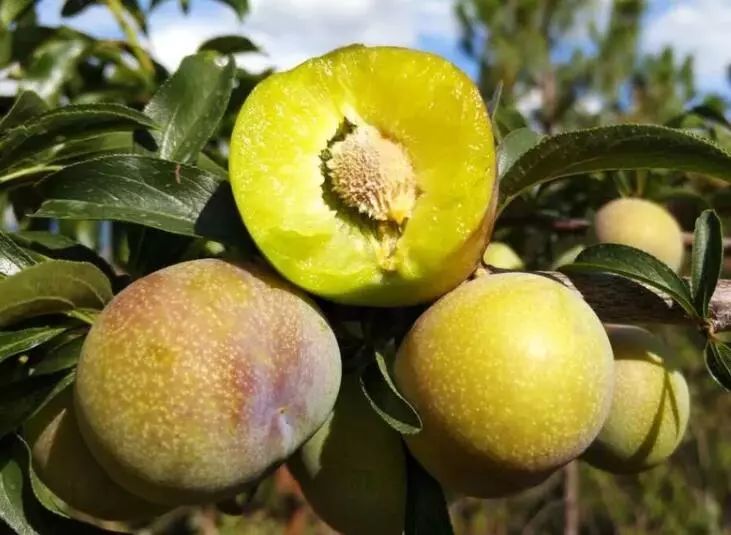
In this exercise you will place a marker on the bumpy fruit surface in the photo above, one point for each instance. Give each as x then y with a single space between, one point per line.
502 256
367 175
65 465
352 471
650 407
644 225
512 376
199 378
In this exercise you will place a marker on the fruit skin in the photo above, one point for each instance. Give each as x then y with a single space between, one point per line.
650 407
417 99
352 471
198 379
644 225
63 463
512 376
502 256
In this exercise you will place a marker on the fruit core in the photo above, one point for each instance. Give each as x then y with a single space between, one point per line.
370 181
370 173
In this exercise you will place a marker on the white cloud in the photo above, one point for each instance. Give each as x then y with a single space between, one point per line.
293 30
699 28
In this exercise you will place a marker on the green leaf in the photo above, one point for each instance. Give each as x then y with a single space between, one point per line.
506 119
63 356
26 106
12 9
13 258
385 398
612 148
718 363
707 260
229 44
241 7
20 401
94 147
62 124
12 482
513 146
20 509
74 7
43 494
190 105
138 189
426 507
52 65
15 342
60 247
635 265
51 287
494 105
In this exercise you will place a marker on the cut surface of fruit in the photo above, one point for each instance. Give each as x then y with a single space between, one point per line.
367 175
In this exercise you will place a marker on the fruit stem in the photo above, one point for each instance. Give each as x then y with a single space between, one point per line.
119 13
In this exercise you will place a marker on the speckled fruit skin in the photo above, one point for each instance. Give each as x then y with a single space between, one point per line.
650 408
502 256
424 103
352 471
644 225
199 378
512 376
65 465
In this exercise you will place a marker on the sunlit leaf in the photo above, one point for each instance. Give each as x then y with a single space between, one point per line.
385 398
635 265
611 148
707 260
164 195
190 105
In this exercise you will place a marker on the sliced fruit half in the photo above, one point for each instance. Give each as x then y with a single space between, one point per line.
367 176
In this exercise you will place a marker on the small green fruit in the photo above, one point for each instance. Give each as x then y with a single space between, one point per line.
644 225
650 407
352 471
512 376
63 463
502 256
568 256
367 175
198 379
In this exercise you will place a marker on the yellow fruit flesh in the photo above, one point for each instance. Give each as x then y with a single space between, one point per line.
512 376
650 407
423 104
644 225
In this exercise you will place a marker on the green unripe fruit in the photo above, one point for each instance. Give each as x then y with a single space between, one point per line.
512 376
352 471
567 256
502 256
644 225
198 379
367 175
650 407
65 465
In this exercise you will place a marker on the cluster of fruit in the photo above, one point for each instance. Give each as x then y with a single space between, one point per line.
197 380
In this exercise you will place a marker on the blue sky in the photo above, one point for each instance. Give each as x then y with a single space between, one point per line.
291 30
